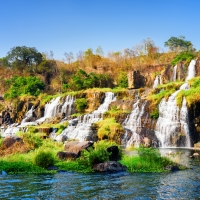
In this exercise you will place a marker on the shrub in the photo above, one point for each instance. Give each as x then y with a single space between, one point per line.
81 104
44 158
24 85
122 80
98 154
32 139
155 113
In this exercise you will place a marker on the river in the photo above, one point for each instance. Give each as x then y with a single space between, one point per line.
95 186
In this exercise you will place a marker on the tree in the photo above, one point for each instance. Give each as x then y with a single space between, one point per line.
99 51
69 56
176 43
22 57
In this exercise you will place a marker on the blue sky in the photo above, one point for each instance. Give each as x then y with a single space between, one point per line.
73 25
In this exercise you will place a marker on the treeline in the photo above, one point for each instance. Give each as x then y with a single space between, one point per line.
88 70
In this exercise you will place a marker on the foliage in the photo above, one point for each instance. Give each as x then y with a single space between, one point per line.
22 57
192 95
147 160
179 42
183 56
32 139
98 154
81 80
109 129
122 80
155 114
81 104
24 85
115 113
44 158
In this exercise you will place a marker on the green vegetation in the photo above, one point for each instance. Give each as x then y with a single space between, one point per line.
183 56
147 160
115 113
192 95
23 86
122 80
179 43
44 158
109 129
81 104
162 91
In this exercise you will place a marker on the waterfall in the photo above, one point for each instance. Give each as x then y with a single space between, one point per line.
174 73
56 107
156 82
173 122
133 124
79 128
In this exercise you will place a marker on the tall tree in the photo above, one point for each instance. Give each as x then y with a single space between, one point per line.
69 56
179 43
22 57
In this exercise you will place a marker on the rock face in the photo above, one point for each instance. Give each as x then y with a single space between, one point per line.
110 166
136 80
76 147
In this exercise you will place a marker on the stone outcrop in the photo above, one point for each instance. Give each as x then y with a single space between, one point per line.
110 166
76 147
67 155
9 141
136 80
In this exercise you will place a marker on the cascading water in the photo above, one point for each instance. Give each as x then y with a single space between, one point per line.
173 122
52 109
174 73
133 124
79 128
156 82
56 106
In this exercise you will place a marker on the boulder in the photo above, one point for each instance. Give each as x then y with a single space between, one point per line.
114 150
67 155
76 147
196 154
110 166
9 141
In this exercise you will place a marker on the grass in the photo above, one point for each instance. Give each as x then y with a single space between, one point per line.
115 113
109 129
192 95
147 160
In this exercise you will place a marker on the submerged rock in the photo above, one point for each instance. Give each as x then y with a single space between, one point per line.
110 166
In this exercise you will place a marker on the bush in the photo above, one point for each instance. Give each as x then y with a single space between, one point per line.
122 80
44 158
32 139
23 86
81 104
98 154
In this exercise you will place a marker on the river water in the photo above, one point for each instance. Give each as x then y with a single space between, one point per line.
68 185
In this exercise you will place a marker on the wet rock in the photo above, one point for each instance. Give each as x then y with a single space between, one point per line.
172 168
196 154
114 150
110 166
76 147
67 155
